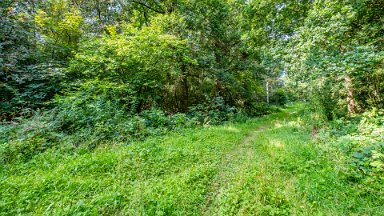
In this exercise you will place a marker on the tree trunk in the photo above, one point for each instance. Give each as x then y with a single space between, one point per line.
267 90
350 100
185 87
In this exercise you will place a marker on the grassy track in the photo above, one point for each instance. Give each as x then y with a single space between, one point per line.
266 166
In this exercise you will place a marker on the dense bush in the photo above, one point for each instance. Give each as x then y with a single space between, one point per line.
280 97
99 112
361 141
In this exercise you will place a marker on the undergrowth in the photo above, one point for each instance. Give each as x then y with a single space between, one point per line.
97 114
359 143
291 162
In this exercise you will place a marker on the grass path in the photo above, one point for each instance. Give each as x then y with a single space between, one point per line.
238 169
230 165
265 166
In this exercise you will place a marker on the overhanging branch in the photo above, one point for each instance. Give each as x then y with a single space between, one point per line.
149 7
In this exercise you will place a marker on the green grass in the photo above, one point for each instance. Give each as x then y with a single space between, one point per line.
265 166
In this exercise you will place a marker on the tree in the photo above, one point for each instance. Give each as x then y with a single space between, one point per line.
329 48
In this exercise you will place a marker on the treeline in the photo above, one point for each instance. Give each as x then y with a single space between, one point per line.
170 55
89 64
177 54
75 73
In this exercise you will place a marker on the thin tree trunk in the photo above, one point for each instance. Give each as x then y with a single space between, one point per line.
350 100
185 86
267 90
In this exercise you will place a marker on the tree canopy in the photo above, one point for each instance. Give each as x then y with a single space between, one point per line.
174 55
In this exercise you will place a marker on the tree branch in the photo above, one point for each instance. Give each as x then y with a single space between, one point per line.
149 7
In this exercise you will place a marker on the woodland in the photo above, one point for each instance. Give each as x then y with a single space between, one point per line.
191 107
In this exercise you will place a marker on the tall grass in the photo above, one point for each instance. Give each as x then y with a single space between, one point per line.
272 165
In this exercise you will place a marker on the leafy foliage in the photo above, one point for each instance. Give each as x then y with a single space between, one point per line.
361 140
81 78
27 78
330 57
100 112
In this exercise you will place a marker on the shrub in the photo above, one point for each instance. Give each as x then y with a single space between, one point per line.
361 140
280 97
96 112
212 112
22 140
